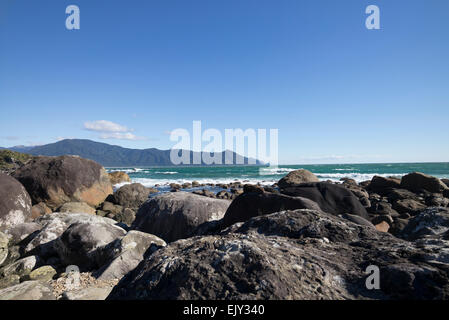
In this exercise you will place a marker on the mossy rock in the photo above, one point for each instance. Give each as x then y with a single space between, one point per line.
45 273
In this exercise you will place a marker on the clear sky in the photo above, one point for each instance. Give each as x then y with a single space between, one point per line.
336 91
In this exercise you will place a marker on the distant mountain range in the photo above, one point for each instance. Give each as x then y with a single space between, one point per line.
111 155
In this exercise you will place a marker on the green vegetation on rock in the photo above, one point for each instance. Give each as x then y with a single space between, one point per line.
11 160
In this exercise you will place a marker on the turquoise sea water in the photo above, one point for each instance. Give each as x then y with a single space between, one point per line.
267 175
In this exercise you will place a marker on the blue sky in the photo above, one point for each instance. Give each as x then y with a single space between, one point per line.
337 92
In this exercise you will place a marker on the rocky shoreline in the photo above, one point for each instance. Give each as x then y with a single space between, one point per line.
244 241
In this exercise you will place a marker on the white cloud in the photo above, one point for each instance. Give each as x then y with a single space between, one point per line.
111 130
105 126
121 136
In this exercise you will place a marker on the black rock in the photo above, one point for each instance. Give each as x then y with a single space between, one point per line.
330 198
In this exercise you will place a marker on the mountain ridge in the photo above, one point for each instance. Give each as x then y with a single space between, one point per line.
116 156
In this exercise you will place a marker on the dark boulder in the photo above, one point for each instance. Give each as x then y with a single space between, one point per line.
417 181
253 204
382 185
57 180
330 198
15 203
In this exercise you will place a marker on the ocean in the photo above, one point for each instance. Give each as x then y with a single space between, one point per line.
151 176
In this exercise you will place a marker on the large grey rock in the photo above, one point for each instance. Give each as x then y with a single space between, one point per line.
175 215
417 181
79 244
297 177
28 290
57 180
301 254
126 253
15 203
53 226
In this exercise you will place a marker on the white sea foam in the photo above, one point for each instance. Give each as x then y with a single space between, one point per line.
166 172
148 182
354 175
127 170
151 182
275 171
